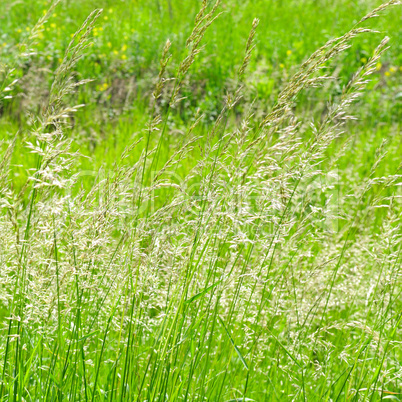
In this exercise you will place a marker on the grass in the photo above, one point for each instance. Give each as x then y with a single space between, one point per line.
214 224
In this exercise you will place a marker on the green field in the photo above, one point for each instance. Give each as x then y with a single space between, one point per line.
200 201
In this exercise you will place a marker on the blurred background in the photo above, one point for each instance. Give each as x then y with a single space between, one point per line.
124 61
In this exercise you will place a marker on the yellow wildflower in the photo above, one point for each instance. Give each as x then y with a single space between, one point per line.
104 86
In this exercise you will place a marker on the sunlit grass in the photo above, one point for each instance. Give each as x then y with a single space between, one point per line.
213 225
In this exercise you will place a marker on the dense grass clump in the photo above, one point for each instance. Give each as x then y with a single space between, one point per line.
166 245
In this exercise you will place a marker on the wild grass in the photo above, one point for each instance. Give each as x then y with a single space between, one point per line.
240 260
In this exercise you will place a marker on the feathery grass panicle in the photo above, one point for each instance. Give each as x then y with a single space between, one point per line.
163 64
202 23
63 83
249 48
25 50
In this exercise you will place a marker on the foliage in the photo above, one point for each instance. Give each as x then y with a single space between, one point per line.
180 248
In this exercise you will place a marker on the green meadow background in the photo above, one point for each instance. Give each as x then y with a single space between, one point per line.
157 303
130 35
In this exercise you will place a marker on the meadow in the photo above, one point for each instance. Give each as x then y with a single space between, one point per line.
200 200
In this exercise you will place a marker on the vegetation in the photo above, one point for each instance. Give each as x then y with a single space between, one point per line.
210 217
